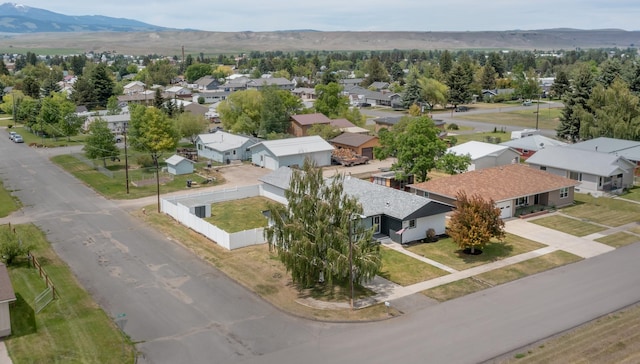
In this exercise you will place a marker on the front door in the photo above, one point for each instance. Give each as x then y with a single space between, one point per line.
376 224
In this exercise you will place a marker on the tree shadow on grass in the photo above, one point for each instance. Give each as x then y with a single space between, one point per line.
23 317
490 253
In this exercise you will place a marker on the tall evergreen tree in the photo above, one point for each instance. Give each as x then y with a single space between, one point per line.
575 103
103 84
412 90
459 85
561 84
446 62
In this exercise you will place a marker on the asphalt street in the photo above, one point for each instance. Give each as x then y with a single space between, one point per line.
181 310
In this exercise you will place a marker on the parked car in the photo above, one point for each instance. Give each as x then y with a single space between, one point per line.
118 138
18 138
364 104
527 103
461 109
12 134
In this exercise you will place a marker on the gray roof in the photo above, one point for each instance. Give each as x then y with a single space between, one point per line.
222 141
375 199
627 148
584 161
292 146
533 142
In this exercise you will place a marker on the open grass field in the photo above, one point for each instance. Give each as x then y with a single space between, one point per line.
31 138
568 225
618 239
603 210
613 338
499 276
115 188
239 215
8 203
404 270
447 252
548 118
72 328
490 137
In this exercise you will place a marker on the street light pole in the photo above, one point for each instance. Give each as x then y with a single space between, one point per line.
351 261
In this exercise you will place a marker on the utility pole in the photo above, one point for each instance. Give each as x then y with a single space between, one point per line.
126 159
537 111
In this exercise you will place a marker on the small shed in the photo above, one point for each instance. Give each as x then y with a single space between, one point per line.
6 297
359 143
178 165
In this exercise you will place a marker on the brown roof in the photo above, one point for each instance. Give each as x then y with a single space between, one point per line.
341 123
498 183
352 139
6 289
310 119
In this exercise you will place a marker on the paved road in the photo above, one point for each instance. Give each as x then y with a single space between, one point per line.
181 310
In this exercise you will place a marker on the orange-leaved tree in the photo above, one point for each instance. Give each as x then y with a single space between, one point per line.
474 222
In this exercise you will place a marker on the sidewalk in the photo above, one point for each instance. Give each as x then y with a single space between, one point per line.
4 355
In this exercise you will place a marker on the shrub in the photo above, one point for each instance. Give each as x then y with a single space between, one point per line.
145 161
431 236
453 126
11 247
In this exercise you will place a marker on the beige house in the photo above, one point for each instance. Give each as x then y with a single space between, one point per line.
513 188
6 297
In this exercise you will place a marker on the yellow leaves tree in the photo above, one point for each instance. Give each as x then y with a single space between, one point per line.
474 222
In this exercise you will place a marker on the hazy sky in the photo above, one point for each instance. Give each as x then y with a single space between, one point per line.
361 15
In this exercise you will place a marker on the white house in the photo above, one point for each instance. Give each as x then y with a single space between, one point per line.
486 155
6 297
178 165
598 173
273 154
116 123
224 147
134 87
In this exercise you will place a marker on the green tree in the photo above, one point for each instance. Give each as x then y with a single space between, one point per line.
575 103
434 92
11 246
375 72
161 72
191 126
276 110
609 71
330 100
526 84
113 106
452 163
412 94
325 131
354 115
30 87
100 144
561 84
488 77
3 68
446 62
415 144
459 85
196 71
84 93
474 222
311 233
240 112
103 84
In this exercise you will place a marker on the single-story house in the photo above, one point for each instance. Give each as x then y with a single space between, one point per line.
280 82
305 93
300 124
176 91
211 97
388 178
134 87
196 109
7 295
402 216
273 154
496 92
359 95
116 123
387 122
360 143
206 83
517 134
598 173
178 165
629 149
485 155
512 187
224 147
531 144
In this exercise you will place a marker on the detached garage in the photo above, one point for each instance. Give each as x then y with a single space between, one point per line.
359 143
273 154
178 165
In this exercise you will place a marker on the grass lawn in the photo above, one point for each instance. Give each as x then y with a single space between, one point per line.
447 252
500 276
489 137
568 225
635 229
632 194
259 270
618 239
549 118
115 188
8 203
30 138
239 215
404 270
72 328
604 210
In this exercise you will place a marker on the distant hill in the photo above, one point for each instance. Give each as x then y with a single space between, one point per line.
15 18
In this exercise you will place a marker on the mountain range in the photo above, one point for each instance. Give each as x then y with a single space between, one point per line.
16 18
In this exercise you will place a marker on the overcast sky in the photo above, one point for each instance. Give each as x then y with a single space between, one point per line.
361 15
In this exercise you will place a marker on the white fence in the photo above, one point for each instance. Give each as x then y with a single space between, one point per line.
177 208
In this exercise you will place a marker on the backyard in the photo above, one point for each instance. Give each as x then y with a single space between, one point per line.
548 118
239 215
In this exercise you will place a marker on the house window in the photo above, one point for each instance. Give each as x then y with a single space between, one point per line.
412 224
543 168
234 152
425 194
577 176
522 201
199 146
564 192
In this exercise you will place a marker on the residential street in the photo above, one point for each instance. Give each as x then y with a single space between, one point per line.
179 309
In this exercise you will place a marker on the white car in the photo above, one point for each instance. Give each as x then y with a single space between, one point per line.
18 138
12 134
